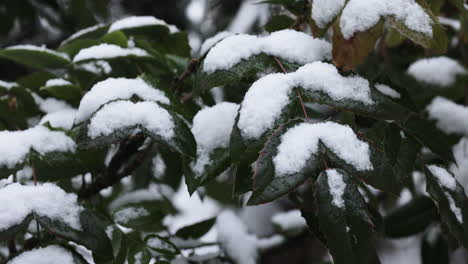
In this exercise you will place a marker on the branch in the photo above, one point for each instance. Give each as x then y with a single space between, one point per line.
115 171
191 68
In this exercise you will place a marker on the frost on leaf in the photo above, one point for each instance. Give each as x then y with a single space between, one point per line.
337 187
108 51
301 143
48 255
113 89
441 71
16 145
450 117
46 200
290 45
360 15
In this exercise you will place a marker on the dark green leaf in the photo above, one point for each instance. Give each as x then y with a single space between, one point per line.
35 58
278 23
196 230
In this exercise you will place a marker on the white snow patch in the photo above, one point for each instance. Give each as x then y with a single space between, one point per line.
286 44
57 82
60 119
48 255
41 49
324 11
125 215
140 21
455 209
444 177
8 85
441 71
360 15
17 144
97 67
268 96
212 41
299 143
460 170
455 24
387 90
125 114
48 200
50 105
451 117
108 51
289 221
212 128
238 244
113 89
337 187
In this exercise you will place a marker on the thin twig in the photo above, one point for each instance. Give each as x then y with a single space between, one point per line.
297 90
191 68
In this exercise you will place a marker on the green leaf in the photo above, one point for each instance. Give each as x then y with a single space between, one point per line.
9 233
37 58
68 92
92 235
144 216
411 218
348 229
196 230
117 38
452 206
92 33
75 46
279 22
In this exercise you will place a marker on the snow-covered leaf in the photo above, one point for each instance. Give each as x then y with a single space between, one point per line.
50 254
37 57
161 246
344 219
451 201
63 89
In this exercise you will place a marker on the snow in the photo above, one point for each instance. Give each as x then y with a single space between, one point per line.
8 85
291 220
455 24
210 42
48 200
113 89
37 48
441 71
337 187
17 144
451 117
299 143
443 176
360 15
125 215
140 21
158 167
268 96
460 170
48 255
212 128
96 67
455 209
324 11
50 105
250 13
387 90
108 51
152 193
82 32
233 236
125 114
60 119
287 44
57 82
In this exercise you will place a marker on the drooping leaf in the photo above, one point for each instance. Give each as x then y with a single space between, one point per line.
37 57
196 230
347 226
